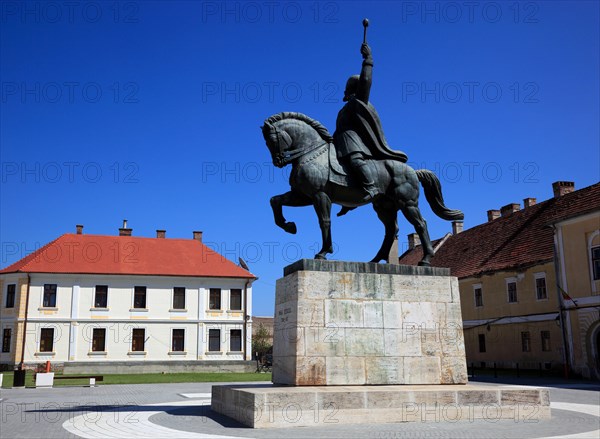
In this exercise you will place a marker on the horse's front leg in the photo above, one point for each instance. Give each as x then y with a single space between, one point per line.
322 204
292 199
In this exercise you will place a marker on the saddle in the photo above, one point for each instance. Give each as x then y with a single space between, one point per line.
338 172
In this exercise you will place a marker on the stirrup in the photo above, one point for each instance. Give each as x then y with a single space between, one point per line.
371 191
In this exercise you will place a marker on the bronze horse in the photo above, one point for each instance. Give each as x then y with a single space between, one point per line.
318 179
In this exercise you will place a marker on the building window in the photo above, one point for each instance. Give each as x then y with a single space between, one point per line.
526 341
138 339
214 300
178 340
6 340
178 298
49 296
99 340
235 299
101 296
481 342
46 339
139 297
511 288
545 341
10 295
214 340
478 296
596 262
540 288
235 340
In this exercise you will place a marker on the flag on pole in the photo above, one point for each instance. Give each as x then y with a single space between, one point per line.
566 296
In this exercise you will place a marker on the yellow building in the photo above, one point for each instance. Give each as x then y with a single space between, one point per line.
530 282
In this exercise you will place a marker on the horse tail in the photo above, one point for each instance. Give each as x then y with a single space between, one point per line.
433 193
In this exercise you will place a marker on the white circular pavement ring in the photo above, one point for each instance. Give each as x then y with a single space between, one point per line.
134 421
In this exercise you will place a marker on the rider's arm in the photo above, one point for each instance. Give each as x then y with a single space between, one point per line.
364 82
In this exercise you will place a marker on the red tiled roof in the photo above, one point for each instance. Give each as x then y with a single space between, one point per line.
521 239
98 254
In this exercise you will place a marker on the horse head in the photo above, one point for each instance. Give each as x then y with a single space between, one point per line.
278 141
289 135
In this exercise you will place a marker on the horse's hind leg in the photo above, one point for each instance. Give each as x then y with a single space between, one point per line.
389 217
322 204
413 215
292 199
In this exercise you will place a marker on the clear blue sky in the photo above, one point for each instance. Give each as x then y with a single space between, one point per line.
150 111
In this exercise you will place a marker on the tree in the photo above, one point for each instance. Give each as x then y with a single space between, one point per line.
261 340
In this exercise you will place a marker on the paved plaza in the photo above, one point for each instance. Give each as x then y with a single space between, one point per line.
183 411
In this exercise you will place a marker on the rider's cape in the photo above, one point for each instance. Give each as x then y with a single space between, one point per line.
370 131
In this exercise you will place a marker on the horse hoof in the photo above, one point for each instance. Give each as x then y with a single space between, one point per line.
290 228
378 258
424 264
320 256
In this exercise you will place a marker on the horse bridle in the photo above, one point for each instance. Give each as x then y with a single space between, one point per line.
283 158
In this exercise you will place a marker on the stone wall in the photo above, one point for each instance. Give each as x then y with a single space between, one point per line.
124 367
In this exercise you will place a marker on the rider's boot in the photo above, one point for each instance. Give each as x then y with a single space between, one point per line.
344 210
367 183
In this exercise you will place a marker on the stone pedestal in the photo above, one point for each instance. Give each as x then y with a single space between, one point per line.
342 323
360 343
269 406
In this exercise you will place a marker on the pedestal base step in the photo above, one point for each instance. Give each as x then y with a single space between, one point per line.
270 406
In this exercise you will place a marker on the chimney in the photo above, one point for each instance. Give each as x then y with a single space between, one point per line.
413 240
561 188
197 235
509 209
79 229
393 255
528 202
457 227
161 233
493 214
124 231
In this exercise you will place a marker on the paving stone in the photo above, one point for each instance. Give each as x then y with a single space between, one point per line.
574 414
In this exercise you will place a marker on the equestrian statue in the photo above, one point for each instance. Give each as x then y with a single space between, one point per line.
352 168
